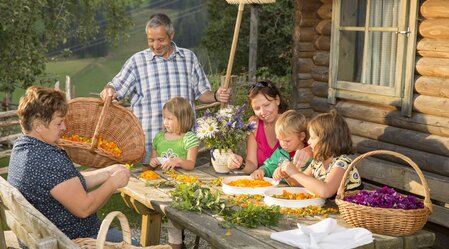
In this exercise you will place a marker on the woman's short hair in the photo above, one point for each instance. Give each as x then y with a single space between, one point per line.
269 90
334 136
40 103
291 122
158 20
183 111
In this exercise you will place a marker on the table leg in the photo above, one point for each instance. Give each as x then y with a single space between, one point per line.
151 228
151 221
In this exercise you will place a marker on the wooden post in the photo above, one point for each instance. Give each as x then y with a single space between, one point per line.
253 37
68 88
2 224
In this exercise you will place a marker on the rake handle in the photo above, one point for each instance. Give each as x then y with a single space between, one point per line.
233 47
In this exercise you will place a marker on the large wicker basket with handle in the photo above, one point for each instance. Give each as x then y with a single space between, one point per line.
92 118
100 242
388 221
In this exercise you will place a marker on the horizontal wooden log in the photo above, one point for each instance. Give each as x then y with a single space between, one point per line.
427 44
320 89
435 9
3 154
304 76
9 138
310 6
9 123
306 47
435 28
320 104
323 43
306 112
307 34
426 161
320 73
388 115
433 54
321 58
8 114
432 86
326 1
303 106
308 19
304 95
305 65
306 54
324 27
431 105
436 67
325 11
304 83
408 138
403 177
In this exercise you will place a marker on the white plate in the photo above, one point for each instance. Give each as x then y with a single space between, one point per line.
270 200
231 190
162 159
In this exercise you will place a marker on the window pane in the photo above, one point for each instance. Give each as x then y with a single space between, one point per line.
350 60
384 13
381 66
353 13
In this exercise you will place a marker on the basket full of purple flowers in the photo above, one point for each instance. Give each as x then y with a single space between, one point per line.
384 211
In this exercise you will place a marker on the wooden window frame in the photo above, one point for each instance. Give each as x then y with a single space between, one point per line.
401 94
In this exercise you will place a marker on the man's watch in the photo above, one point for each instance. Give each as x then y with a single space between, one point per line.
242 166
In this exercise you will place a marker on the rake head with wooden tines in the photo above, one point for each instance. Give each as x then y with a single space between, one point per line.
241 4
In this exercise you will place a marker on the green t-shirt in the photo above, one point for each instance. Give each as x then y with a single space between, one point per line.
276 159
174 148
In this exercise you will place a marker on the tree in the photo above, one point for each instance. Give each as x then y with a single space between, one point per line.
274 41
29 28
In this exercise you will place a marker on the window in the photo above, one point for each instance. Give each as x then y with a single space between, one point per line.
373 48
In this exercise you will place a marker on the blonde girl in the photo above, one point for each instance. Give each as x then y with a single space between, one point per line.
176 145
291 131
331 143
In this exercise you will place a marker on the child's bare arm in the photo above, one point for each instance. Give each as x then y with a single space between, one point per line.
187 164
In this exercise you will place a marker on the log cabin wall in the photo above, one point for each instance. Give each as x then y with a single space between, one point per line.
424 136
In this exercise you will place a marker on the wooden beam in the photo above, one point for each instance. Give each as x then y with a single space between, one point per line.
435 28
435 9
324 27
325 11
427 66
431 105
432 86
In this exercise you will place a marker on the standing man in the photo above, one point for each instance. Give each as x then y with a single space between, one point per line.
152 76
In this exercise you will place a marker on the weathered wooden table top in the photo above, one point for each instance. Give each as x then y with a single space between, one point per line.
207 226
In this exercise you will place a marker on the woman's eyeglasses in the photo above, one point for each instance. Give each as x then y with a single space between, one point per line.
260 84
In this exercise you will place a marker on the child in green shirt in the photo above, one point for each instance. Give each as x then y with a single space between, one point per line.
176 145
291 131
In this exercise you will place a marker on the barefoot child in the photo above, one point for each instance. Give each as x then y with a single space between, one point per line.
290 129
331 143
176 145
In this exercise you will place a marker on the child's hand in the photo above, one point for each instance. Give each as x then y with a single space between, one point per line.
234 161
171 163
278 175
154 162
302 156
258 174
288 169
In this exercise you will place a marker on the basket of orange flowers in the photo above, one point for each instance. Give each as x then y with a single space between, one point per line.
99 134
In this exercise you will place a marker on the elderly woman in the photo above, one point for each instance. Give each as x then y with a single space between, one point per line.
46 176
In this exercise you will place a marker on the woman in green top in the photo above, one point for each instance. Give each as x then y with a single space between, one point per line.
175 145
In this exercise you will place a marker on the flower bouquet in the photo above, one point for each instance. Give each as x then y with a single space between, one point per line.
221 132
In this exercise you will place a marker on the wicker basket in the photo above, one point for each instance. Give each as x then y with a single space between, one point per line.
91 118
100 242
388 221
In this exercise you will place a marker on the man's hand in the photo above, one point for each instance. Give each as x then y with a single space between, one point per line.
108 91
223 95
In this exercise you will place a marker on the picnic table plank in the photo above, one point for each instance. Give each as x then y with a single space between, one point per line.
206 225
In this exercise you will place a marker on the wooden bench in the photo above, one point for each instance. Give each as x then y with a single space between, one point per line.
29 225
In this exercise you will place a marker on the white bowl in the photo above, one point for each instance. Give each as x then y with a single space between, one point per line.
231 190
270 200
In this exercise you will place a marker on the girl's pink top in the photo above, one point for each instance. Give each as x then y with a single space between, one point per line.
264 150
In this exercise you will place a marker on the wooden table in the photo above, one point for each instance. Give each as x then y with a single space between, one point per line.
151 202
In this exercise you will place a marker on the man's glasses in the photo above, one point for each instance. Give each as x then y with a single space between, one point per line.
260 84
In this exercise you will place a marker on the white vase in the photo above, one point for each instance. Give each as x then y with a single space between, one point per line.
220 160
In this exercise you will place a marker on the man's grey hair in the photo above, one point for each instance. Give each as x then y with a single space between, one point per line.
160 19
